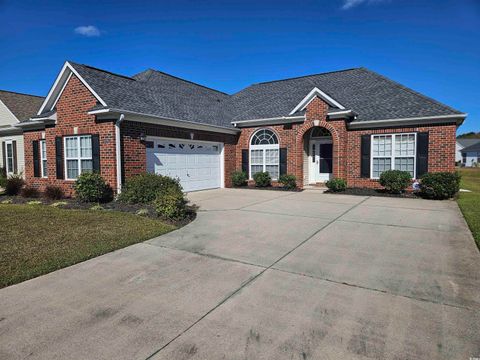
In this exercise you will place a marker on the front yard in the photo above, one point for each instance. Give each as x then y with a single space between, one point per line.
37 239
470 202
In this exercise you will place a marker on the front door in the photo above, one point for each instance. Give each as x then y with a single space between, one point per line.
321 160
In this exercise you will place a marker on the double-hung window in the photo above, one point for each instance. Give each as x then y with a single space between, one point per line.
43 158
393 152
264 153
78 155
9 157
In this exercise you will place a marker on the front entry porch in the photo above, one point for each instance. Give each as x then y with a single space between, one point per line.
319 156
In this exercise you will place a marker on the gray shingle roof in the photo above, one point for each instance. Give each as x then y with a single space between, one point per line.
23 106
467 142
472 148
370 95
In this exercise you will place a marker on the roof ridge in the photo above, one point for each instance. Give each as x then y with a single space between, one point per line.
102 70
19 93
185 80
306 76
405 88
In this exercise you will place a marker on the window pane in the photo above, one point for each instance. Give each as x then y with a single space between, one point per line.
71 147
86 146
256 168
43 147
87 166
273 171
382 145
405 145
264 137
271 156
380 165
44 168
72 169
405 164
256 157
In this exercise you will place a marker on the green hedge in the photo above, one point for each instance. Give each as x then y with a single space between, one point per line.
143 188
440 186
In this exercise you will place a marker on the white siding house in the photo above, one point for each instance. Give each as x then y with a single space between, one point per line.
462 144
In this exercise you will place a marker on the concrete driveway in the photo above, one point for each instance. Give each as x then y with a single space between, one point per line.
265 275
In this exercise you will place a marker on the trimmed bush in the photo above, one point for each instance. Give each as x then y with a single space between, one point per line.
53 192
395 181
262 179
171 203
14 184
440 186
336 185
239 178
288 181
29 192
91 187
143 188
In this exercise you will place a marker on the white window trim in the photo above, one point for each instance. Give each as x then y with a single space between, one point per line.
7 169
263 148
79 158
42 159
392 156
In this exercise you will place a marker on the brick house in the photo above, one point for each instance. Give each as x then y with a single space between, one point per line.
350 124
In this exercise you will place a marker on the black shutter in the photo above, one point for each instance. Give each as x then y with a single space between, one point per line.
4 156
15 163
283 161
36 159
365 157
422 153
59 156
96 153
245 161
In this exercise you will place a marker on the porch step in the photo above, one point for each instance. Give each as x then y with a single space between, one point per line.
318 187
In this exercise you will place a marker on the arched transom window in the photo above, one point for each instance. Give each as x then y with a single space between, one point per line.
264 153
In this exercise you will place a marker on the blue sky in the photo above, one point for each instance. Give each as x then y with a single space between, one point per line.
431 46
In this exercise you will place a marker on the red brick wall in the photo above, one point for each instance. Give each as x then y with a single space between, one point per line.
346 145
72 109
134 151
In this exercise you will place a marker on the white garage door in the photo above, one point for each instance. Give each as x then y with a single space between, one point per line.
197 164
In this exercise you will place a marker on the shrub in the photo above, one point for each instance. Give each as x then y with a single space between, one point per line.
3 177
239 178
29 192
171 204
143 188
14 184
288 181
336 185
91 187
262 179
53 192
439 186
395 181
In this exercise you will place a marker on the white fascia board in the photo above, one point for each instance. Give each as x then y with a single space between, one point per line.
267 121
311 95
159 120
425 120
59 85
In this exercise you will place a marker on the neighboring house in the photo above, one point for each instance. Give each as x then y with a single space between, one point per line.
14 109
350 124
471 155
461 144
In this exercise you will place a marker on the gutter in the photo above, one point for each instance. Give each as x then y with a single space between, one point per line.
118 152
166 121
424 120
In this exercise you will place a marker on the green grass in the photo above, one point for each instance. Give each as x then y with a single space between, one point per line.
36 239
470 202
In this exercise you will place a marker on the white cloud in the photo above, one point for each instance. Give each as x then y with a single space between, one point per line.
348 4
89 31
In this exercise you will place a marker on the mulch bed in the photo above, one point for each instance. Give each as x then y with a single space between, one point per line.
375 192
109 206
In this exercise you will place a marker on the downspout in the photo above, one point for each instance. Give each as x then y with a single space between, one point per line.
118 152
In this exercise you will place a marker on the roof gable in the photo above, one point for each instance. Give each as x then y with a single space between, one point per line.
20 106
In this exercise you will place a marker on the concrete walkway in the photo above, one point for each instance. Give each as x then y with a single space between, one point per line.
265 275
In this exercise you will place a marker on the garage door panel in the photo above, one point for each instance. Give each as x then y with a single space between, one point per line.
196 164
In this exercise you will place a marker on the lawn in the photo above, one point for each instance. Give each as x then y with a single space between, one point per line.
38 239
470 202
